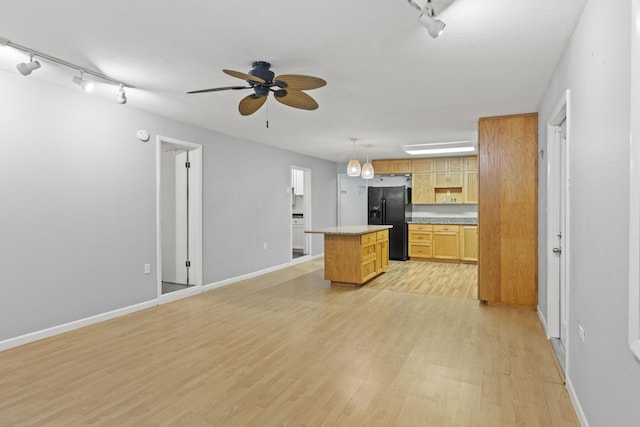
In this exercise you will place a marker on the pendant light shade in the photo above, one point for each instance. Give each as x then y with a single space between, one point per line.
367 168
367 171
353 167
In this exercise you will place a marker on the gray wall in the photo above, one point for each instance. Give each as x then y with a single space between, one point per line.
595 67
78 192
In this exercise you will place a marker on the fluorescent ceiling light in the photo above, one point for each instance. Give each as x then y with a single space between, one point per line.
440 148
417 152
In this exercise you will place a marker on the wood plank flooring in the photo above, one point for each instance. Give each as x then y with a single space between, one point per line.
433 278
287 349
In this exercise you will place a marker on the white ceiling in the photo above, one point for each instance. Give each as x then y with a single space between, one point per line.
388 82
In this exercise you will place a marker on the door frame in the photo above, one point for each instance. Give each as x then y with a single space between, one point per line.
560 113
195 217
307 213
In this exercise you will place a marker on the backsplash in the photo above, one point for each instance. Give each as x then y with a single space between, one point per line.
451 210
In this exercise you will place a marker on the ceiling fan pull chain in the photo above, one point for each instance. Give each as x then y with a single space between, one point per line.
267 114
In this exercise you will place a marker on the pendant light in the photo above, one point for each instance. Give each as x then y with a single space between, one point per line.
353 167
367 169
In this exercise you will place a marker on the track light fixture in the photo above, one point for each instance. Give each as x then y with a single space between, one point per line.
427 17
86 85
27 67
121 98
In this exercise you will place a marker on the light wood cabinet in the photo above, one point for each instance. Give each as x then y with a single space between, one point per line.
422 191
470 163
445 180
420 241
393 166
507 210
469 242
470 187
448 172
446 242
355 259
421 166
382 251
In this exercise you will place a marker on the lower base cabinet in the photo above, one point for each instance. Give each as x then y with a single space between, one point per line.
355 259
443 242
446 242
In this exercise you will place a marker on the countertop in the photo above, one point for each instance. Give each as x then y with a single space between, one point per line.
350 229
462 220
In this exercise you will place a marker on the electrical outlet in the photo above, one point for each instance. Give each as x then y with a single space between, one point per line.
265 245
147 268
581 333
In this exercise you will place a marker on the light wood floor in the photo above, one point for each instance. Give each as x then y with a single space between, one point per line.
432 278
287 349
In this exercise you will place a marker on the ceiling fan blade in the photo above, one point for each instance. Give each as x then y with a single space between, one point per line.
250 104
300 82
216 89
244 76
296 99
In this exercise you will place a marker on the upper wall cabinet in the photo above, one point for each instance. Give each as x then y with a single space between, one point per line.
386 167
445 180
297 182
448 172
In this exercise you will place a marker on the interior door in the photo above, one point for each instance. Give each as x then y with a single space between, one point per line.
562 204
175 216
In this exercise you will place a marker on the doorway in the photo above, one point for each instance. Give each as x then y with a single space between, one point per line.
179 182
300 212
558 228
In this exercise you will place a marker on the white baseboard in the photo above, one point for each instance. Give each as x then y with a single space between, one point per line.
225 282
173 296
543 321
582 418
66 327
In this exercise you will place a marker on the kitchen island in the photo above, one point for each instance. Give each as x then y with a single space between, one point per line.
354 254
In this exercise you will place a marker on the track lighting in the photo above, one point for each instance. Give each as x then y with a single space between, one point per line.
427 17
86 85
27 67
434 26
121 98
353 167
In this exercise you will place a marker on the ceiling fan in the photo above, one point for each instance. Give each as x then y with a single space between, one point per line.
286 88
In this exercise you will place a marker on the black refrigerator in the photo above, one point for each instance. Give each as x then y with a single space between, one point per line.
392 206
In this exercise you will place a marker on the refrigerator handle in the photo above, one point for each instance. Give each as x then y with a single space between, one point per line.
384 211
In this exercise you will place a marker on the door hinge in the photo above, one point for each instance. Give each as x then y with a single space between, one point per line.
188 264
187 165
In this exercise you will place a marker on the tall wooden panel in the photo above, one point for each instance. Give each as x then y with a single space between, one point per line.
507 209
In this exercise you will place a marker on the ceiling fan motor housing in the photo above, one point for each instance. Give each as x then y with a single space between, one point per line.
261 69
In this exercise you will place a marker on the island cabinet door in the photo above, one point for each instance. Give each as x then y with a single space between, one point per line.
368 267
382 251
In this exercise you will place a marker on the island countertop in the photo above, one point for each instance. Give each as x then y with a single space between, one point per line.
350 229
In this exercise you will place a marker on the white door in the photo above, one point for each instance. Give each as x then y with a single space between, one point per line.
558 239
175 216
562 204
179 216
